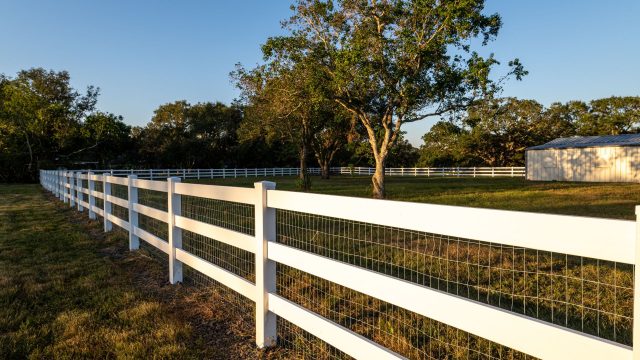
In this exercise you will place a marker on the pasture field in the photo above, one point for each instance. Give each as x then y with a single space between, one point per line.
68 290
608 200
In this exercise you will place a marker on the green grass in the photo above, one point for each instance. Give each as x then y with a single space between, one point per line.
68 291
609 200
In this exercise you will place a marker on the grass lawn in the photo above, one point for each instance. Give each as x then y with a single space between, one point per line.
609 200
69 291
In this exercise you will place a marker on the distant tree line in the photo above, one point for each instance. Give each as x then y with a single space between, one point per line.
45 123
496 132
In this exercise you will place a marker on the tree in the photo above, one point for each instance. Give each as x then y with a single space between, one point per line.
392 62
287 98
165 139
444 146
326 141
184 135
107 139
278 107
41 116
212 129
501 129
611 116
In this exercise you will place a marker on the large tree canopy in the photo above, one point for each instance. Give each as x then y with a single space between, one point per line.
391 62
287 98
40 120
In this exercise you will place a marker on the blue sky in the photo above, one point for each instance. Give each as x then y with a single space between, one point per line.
143 54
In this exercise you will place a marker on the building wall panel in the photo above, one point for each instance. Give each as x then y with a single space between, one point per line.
596 164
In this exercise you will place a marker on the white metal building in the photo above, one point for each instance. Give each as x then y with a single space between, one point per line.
609 158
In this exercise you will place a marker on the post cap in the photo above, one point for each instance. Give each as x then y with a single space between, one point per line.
267 185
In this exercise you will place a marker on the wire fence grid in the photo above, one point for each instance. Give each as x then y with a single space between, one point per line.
588 295
228 215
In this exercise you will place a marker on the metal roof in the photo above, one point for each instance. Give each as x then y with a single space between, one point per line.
590 141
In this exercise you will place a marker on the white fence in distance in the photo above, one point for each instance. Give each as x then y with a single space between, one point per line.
255 172
580 236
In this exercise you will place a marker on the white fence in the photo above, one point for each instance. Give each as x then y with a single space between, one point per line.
255 172
433 171
604 239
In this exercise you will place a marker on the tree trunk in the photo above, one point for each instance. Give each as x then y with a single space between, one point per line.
30 152
325 169
378 179
305 181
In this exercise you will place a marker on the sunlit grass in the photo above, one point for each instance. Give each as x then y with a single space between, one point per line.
610 200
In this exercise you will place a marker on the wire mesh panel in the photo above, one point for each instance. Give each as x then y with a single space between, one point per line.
122 192
301 344
230 258
120 212
99 203
229 215
157 200
157 228
154 199
402 331
587 295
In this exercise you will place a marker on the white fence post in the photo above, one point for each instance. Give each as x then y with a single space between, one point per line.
106 192
265 230
92 199
134 241
63 178
72 194
79 192
636 292
59 185
174 207
63 186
